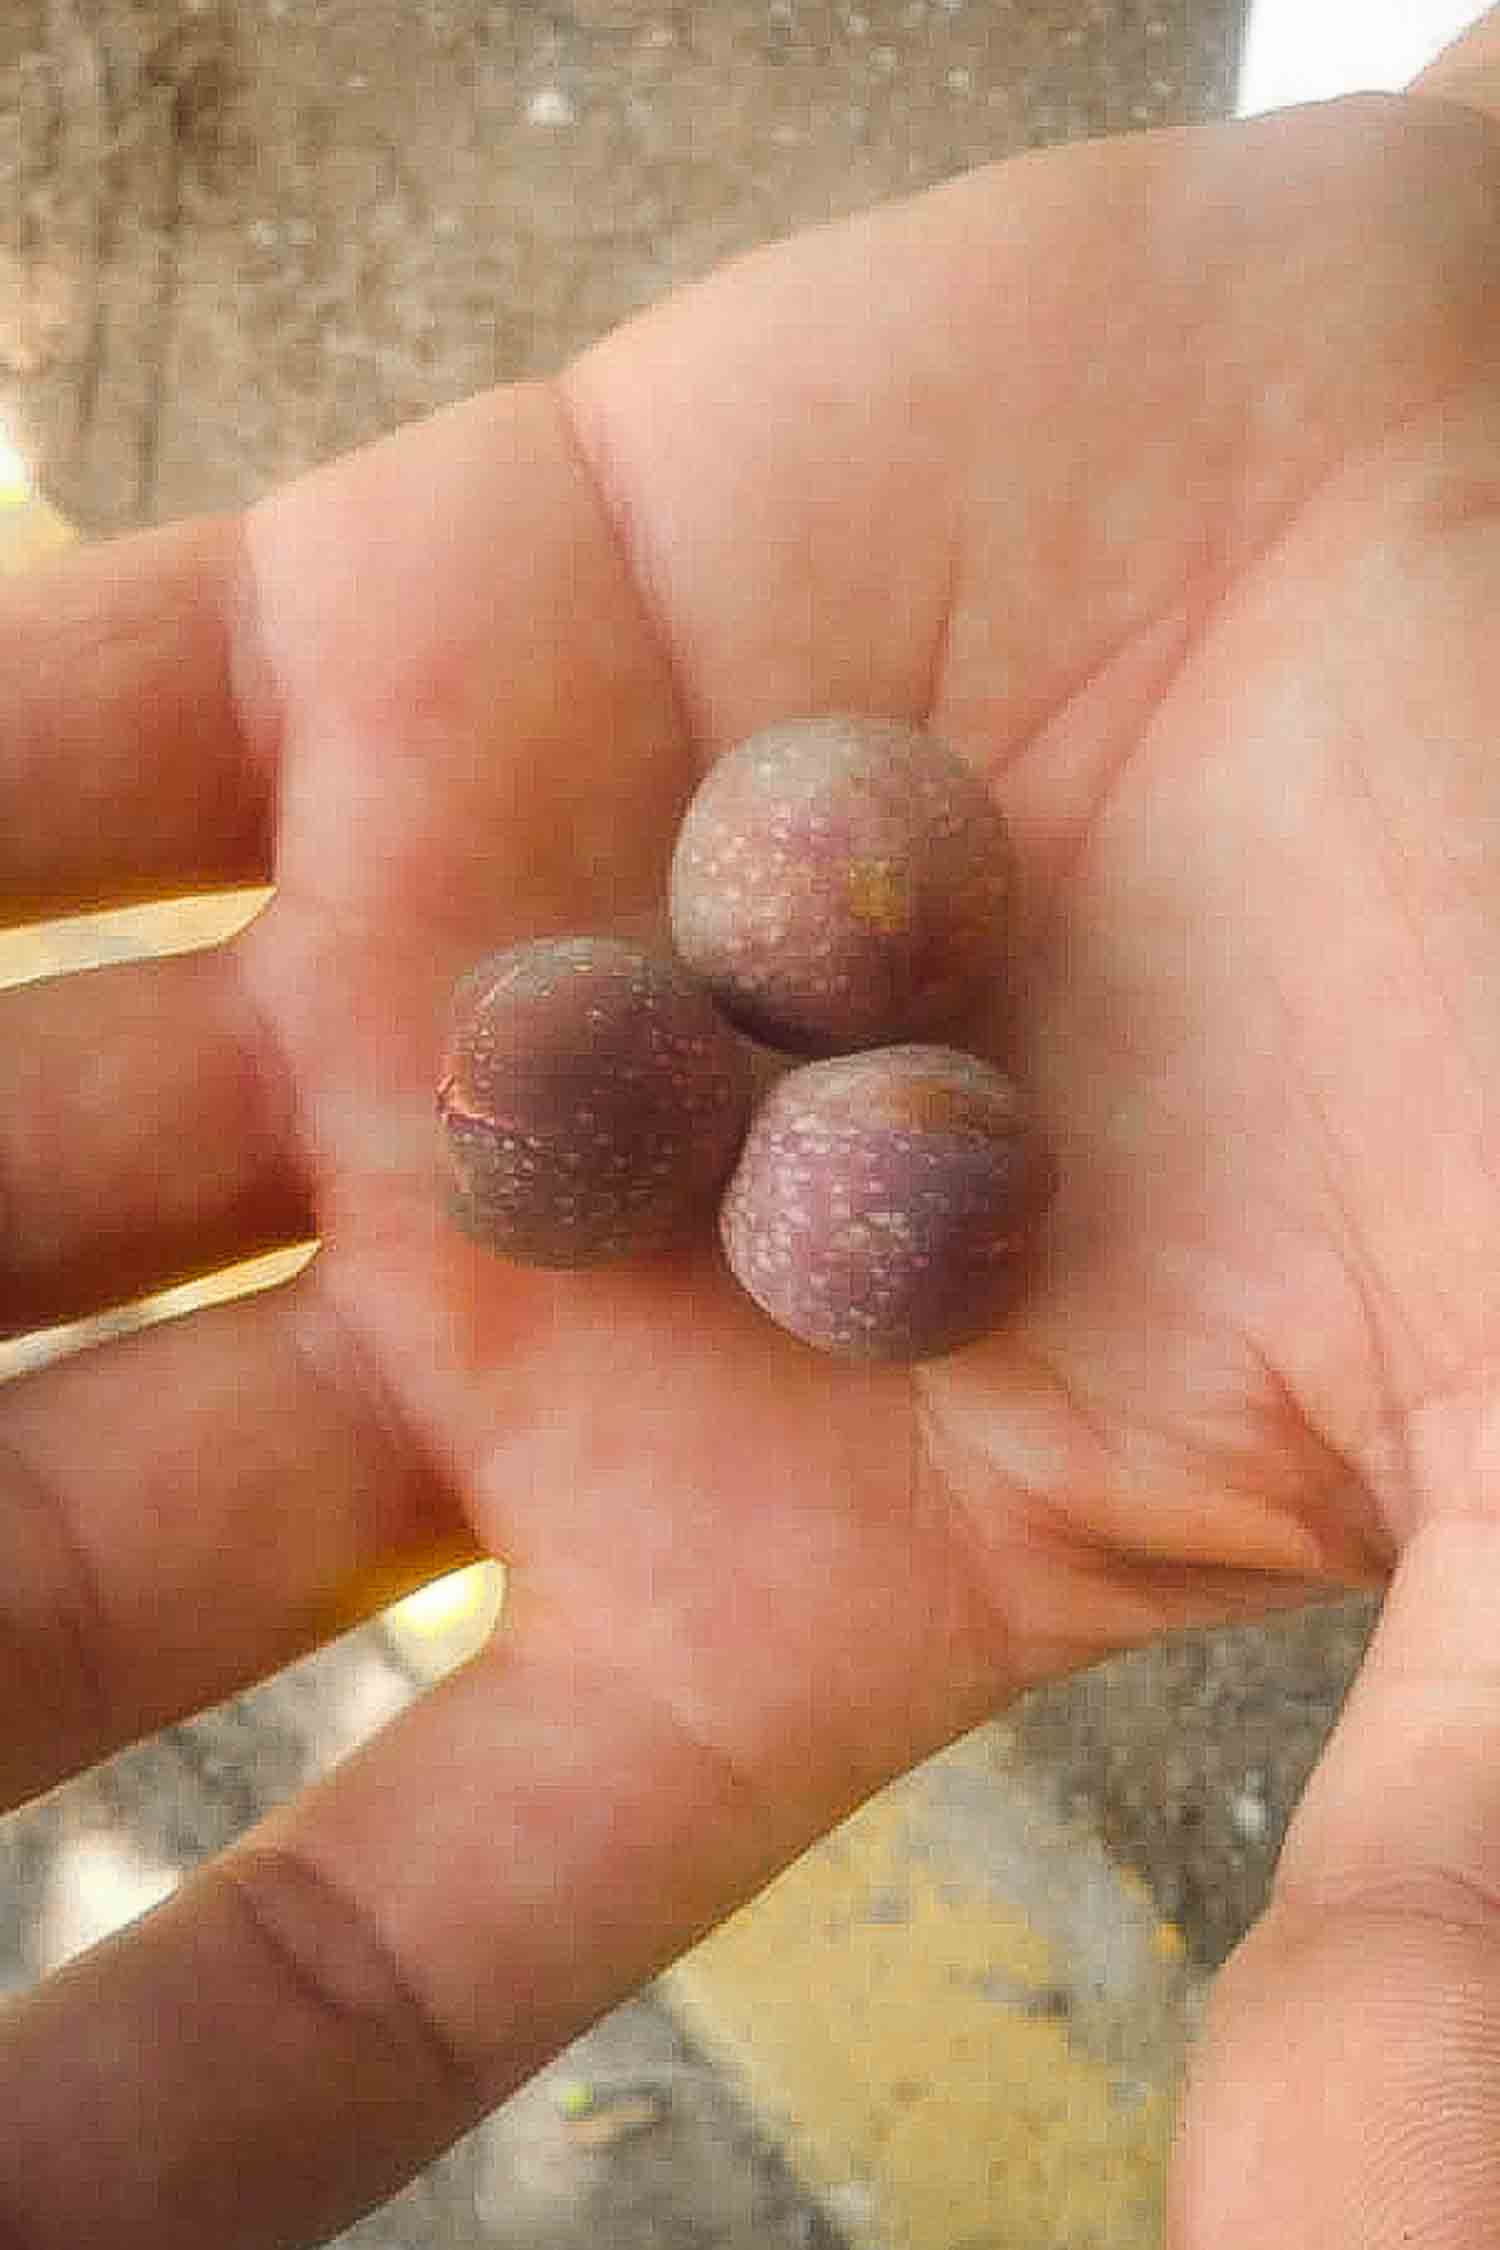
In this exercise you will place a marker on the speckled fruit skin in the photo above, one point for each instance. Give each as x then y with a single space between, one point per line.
885 1204
840 883
592 1102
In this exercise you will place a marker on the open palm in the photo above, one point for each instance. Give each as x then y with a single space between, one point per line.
1161 477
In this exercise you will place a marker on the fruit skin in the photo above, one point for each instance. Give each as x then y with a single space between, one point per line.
592 1102
886 1204
843 882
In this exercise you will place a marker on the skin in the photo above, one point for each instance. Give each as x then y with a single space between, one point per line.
1162 476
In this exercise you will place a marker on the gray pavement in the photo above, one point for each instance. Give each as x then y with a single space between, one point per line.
237 236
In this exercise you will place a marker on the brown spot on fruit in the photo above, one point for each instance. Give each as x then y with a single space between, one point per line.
880 895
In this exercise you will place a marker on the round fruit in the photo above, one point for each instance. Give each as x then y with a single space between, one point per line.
842 883
884 1203
592 1102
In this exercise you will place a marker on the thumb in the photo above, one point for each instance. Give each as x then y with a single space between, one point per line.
1469 70
1346 2093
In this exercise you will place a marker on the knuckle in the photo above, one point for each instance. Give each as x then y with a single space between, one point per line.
323 1941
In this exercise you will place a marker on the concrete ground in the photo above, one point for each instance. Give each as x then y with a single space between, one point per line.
239 235
233 241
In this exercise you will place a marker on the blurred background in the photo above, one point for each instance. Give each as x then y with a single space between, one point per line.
238 236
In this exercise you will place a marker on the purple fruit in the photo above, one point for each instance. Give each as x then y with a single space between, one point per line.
885 1203
842 883
592 1102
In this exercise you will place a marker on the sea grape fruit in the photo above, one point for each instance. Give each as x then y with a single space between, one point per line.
592 1102
840 883
886 1205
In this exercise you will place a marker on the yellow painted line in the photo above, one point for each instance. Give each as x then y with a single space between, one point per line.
949 2067
447 1619
127 933
30 530
29 534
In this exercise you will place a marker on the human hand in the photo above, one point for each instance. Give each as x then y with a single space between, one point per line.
1160 474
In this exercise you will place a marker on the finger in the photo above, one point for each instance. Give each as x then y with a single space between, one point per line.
1469 70
125 771
185 1510
1348 2094
378 1967
617 1771
146 1134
